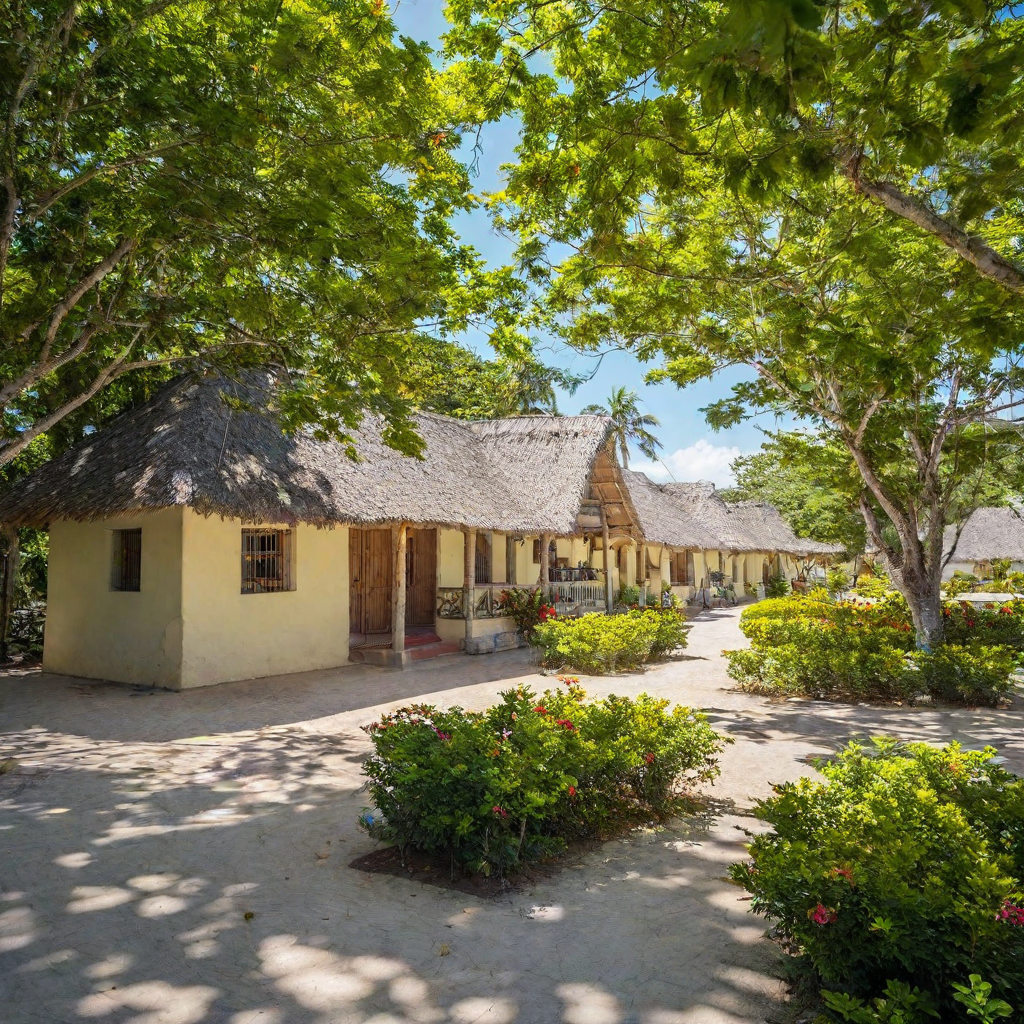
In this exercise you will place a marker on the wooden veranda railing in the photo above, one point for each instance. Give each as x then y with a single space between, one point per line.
568 598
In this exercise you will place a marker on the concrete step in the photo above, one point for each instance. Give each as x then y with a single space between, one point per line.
385 657
435 650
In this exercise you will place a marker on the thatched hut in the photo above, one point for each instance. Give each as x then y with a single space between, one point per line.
989 535
698 534
782 551
192 541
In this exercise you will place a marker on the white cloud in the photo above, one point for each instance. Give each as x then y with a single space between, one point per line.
699 461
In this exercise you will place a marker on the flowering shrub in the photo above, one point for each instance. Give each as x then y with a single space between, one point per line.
526 608
819 649
874 587
606 643
990 623
491 789
903 866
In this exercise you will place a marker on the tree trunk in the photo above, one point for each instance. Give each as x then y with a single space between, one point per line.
925 602
918 578
9 583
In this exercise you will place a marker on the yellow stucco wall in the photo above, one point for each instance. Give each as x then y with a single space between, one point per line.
450 564
231 635
98 633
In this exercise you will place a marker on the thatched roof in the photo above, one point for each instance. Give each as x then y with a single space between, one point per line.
701 501
989 533
666 520
764 524
694 515
189 447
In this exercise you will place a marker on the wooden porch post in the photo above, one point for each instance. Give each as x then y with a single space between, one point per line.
469 579
398 590
545 563
607 562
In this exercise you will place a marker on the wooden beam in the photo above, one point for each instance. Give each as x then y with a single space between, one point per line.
607 563
400 535
469 579
545 563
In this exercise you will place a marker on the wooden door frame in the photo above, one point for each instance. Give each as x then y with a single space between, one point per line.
360 535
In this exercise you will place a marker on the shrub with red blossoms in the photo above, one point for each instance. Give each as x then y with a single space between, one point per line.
1011 913
899 864
822 915
504 785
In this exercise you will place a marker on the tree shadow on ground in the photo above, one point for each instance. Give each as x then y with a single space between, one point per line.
832 725
114 711
205 882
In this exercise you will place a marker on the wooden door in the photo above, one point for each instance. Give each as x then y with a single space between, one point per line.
370 575
420 577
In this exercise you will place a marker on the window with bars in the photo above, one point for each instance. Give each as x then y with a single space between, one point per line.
266 561
126 560
483 557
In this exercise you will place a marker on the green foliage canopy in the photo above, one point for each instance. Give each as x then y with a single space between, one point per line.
221 184
697 182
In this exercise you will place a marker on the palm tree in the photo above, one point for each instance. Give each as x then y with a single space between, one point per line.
628 424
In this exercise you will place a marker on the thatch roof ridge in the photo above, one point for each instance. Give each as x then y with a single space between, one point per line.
702 500
765 522
988 534
663 519
189 447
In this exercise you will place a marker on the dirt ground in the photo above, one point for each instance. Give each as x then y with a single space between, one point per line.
181 858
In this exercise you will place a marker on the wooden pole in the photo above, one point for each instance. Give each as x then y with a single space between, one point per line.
398 590
8 585
605 536
469 579
545 563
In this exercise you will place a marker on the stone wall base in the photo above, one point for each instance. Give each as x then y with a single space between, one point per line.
505 641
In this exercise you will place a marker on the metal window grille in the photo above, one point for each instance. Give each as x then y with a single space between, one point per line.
126 560
483 558
266 561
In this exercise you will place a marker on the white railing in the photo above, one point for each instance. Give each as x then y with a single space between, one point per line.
578 598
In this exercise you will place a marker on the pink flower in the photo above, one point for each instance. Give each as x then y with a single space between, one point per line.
540 709
822 915
500 811
572 791
565 723
1011 914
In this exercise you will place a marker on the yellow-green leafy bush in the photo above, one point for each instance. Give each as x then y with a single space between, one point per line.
607 643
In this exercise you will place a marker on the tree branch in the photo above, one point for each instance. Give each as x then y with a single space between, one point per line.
977 252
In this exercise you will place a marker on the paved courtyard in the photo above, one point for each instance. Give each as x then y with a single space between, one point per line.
182 858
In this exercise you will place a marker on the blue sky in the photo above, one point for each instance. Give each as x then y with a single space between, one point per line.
691 449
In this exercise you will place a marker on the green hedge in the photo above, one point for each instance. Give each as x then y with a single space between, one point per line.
904 866
607 643
489 790
805 647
